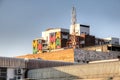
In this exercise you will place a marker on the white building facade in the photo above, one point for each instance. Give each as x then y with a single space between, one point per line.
112 40
80 29
46 34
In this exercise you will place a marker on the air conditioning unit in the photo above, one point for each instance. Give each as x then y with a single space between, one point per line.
18 71
18 77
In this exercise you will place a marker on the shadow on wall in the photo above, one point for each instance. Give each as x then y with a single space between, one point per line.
51 74
96 71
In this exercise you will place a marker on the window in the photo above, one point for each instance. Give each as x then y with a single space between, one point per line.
3 73
82 32
116 43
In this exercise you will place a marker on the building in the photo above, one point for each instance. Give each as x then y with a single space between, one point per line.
112 40
78 36
83 40
103 48
53 38
57 38
38 45
12 68
62 40
104 45
87 40
58 32
80 29
16 69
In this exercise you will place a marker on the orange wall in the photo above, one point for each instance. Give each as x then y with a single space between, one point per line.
66 55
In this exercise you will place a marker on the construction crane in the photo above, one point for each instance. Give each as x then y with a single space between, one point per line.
73 21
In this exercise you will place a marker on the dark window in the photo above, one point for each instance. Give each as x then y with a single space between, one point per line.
3 73
19 77
3 70
78 60
2 78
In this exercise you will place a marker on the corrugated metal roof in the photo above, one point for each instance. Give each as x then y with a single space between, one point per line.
29 63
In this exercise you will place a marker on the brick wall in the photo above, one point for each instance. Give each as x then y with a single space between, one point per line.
62 55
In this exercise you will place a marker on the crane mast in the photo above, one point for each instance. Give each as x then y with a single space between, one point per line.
73 21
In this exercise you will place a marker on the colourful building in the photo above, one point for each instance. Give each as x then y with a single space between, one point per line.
38 45
54 38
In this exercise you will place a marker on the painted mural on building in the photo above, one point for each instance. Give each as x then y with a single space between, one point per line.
55 40
37 46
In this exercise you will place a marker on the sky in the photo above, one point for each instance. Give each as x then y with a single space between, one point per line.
21 21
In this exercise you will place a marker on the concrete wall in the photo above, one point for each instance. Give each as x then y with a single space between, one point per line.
10 73
35 64
96 71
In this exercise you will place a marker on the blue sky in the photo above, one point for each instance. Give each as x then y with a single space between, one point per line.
21 21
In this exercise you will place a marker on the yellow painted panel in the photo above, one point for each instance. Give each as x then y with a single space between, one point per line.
52 45
57 34
34 43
